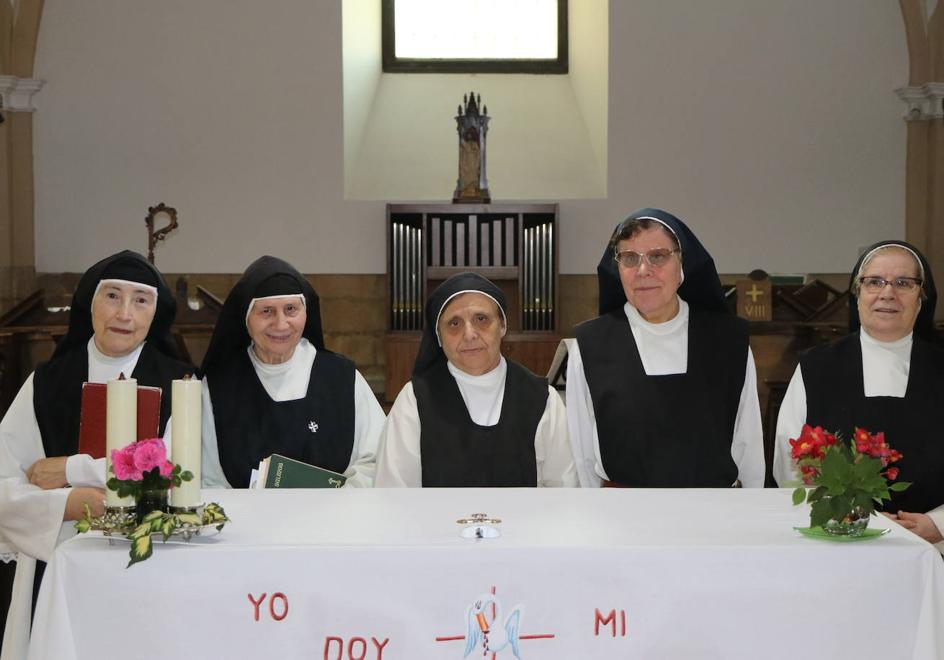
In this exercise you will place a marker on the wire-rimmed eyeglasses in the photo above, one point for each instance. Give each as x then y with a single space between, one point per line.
656 257
874 284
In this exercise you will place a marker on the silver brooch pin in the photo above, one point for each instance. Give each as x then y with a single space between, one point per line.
313 427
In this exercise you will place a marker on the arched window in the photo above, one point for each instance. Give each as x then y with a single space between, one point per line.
475 36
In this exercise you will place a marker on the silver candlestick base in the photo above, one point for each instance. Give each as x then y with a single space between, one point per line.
479 526
118 517
197 509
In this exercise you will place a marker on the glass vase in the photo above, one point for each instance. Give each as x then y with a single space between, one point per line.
148 501
853 523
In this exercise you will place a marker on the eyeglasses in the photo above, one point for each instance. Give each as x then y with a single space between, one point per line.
876 284
656 257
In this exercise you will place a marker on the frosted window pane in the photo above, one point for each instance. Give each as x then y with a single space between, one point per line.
476 29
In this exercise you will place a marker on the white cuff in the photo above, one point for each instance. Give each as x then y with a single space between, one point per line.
83 470
937 517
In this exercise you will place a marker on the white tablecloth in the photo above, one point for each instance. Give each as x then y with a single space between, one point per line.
613 573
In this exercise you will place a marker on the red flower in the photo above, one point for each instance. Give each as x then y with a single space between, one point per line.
892 473
863 441
811 443
800 447
809 472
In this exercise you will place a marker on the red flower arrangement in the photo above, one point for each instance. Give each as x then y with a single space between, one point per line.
849 478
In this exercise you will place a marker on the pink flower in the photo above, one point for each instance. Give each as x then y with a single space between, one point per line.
892 473
122 462
167 468
149 454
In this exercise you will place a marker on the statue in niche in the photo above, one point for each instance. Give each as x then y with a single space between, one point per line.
472 126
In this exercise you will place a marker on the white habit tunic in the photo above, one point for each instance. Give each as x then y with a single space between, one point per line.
31 522
288 381
885 369
400 463
663 349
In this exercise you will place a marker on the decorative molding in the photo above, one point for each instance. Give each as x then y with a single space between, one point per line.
916 100
16 94
925 102
935 93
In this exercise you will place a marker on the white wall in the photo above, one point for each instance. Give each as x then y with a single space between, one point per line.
546 136
362 71
771 126
538 143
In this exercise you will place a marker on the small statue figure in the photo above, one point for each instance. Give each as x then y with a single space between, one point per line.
472 184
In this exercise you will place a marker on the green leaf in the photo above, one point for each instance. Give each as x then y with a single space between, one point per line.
153 515
189 518
864 500
840 506
186 476
867 467
143 529
799 495
820 512
82 526
213 513
836 473
168 527
818 493
899 486
141 549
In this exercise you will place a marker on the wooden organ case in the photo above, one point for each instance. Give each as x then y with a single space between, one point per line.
513 245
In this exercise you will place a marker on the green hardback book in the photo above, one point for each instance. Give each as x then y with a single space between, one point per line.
283 472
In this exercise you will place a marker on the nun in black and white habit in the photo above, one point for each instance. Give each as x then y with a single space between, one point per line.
271 386
469 417
886 375
119 322
661 387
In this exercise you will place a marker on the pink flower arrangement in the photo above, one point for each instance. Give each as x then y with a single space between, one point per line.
143 466
132 462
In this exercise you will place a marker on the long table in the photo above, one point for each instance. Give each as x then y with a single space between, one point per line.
611 573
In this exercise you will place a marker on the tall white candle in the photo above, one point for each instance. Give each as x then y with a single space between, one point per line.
186 438
121 427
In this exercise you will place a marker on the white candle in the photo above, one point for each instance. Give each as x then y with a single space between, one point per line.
186 438
121 428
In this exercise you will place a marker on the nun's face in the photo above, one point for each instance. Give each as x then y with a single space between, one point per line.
652 289
121 317
471 329
275 326
889 313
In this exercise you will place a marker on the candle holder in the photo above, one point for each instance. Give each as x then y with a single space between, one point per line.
119 517
479 526
196 509
115 525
